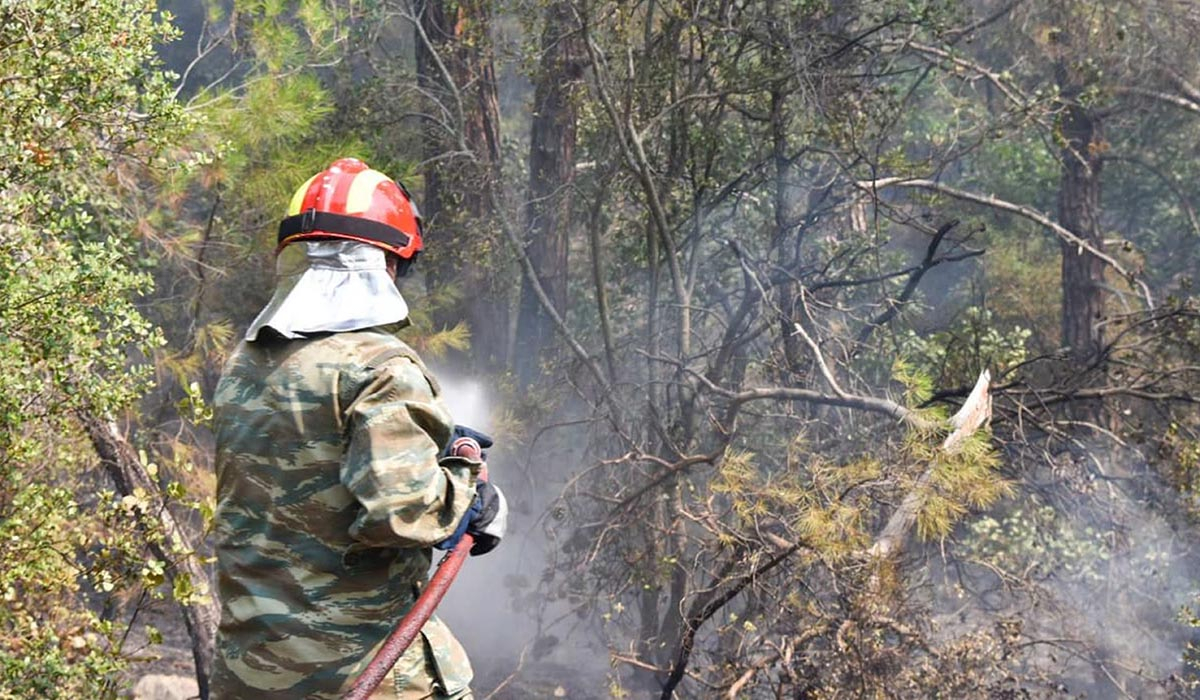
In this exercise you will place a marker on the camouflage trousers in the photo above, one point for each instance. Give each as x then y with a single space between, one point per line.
421 673
434 667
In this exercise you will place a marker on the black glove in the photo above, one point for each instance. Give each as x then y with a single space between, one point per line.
486 520
487 517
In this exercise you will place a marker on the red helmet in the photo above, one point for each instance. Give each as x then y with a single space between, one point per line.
349 200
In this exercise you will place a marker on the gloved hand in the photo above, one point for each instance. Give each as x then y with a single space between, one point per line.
486 520
487 517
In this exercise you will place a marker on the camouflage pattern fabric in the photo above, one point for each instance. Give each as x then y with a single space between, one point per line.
329 495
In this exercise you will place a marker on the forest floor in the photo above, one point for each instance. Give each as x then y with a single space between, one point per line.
163 671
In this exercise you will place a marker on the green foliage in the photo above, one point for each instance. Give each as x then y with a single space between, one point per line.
965 479
47 666
65 563
918 385
1179 451
84 101
79 84
1024 293
1035 540
68 322
953 356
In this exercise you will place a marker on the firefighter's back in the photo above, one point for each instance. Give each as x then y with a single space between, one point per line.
302 603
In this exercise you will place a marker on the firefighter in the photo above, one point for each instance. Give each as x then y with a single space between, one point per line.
334 477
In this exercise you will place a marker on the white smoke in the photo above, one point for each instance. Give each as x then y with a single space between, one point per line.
494 608
1093 589
468 402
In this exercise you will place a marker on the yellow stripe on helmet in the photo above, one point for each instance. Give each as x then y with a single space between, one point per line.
362 190
298 197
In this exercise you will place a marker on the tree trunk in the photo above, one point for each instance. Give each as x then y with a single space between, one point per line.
129 475
551 173
455 67
1079 212
433 27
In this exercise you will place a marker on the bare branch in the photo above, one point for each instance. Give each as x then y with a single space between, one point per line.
1159 95
635 156
873 186
704 608
847 400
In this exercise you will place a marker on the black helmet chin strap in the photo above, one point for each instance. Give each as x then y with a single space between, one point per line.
312 221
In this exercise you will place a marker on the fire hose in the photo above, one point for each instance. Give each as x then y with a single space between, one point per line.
410 625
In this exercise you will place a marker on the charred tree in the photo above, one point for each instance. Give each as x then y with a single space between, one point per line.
455 68
551 174
1079 212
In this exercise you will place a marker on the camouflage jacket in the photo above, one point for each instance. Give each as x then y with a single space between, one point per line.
329 495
